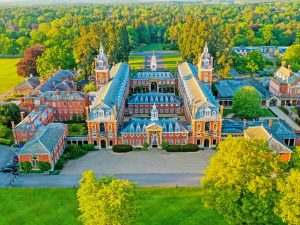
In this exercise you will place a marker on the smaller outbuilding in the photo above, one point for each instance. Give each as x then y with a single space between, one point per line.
46 145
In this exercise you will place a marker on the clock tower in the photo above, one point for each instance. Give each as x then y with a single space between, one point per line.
205 67
101 69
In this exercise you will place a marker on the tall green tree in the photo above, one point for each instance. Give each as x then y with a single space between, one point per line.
292 56
240 182
288 207
247 103
8 113
107 201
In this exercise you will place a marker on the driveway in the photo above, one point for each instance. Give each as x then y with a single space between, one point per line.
6 153
143 162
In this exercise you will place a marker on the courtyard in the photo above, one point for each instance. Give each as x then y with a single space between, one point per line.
140 162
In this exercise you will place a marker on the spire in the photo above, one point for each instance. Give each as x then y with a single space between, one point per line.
205 48
101 51
153 65
154 113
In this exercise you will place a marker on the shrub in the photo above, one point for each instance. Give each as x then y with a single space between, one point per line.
164 145
60 164
5 141
88 147
122 148
74 128
74 152
25 167
44 166
182 148
146 145
4 131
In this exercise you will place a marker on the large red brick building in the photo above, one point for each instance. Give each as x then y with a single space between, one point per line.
102 71
286 85
40 116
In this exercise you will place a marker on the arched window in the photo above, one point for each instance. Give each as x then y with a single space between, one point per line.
138 128
170 128
102 127
177 128
131 128
207 126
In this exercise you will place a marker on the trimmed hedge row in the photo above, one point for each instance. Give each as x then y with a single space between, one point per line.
183 148
122 148
4 141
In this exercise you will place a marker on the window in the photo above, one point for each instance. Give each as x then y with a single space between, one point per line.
132 142
34 161
207 126
110 142
65 103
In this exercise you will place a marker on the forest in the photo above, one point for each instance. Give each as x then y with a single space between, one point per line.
70 35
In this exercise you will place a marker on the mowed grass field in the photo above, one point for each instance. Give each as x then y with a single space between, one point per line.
150 47
265 112
53 206
8 74
171 61
136 62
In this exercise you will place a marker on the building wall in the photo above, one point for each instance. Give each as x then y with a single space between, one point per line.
146 108
23 91
102 78
66 109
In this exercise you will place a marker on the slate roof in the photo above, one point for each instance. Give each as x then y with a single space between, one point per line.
279 128
227 87
195 90
160 75
138 125
44 140
31 82
154 97
260 132
37 116
113 92
63 95
58 81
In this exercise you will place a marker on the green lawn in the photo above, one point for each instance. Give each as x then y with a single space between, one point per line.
293 109
150 47
265 112
8 74
136 62
171 61
159 206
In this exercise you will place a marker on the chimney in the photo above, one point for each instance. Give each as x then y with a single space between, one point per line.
57 91
54 85
87 112
42 81
22 116
13 124
283 64
270 123
245 124
29 118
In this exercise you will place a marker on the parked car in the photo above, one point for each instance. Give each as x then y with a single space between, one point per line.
9 170
12 164
14 159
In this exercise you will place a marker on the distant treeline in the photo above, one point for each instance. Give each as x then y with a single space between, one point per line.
71 34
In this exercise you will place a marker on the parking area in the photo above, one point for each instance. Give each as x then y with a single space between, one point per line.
143 162
6 153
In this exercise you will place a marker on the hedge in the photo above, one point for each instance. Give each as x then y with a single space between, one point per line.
122 148
73 152
182 148
4 141
88 147
44 166
25 167
59 164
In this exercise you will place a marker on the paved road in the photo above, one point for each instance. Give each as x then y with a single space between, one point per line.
6 154
285 117
143 180
143 162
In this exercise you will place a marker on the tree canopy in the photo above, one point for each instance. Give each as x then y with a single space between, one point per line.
292 57
240 182
8 113
288 207
247 103
107 201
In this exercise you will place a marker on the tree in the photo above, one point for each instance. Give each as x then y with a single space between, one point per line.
247 103
55 58
288 207
107 201
90 87
240 182
295 162
4 131
27 64
292 56
44 166
8 113
255 61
